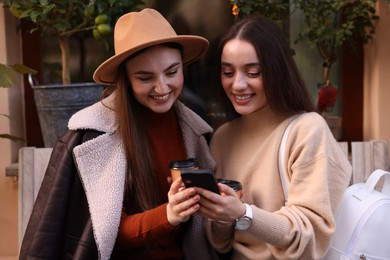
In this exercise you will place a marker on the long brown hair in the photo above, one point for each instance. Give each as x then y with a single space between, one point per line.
141 191
284 87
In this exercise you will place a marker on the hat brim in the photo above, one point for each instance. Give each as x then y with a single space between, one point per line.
193 48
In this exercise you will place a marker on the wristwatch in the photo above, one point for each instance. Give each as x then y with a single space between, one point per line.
245 222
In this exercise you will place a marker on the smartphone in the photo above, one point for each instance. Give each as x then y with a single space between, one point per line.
203 178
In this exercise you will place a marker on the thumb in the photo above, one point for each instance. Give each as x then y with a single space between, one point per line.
224 189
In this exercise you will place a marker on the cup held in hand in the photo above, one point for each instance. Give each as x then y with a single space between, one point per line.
177 166
235 185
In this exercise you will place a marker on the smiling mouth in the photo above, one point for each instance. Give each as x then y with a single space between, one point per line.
243 97
161 97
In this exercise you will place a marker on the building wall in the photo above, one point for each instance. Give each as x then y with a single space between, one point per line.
376 122
10 104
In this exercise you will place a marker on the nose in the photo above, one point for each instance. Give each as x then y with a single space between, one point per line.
161 86
239 82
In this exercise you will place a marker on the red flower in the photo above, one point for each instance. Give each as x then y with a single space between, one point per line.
327 96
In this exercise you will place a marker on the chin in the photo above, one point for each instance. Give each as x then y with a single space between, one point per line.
243 111
161 109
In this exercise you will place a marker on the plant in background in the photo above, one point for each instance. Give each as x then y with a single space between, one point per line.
7 78
330 26
332 23
273 9
65 18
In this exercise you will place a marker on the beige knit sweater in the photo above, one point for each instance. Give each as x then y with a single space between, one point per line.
246 150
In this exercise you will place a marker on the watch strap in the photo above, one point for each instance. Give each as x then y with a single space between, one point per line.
248 212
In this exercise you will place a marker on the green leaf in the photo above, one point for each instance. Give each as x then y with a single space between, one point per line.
12 137
22 69
43 2
8 73
62 25
7 76
34 15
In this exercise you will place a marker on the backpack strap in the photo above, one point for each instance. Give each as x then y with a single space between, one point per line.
281 157
372 181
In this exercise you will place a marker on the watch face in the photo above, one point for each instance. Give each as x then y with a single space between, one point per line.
243 223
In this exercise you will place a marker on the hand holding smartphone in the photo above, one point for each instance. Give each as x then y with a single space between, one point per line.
203 178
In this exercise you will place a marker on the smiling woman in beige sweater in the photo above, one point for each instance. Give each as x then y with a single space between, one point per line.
264 87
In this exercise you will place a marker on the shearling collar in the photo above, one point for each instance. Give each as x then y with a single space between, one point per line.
101 164
99 116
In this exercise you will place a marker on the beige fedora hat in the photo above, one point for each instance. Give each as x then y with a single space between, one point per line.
137 30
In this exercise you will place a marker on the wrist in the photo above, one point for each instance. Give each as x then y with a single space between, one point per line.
245 221
242 210
224 223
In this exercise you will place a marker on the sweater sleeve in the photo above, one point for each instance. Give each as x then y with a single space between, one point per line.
143 228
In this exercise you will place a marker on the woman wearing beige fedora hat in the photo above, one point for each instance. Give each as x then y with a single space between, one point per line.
105 194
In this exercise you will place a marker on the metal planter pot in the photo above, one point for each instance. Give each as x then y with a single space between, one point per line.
57 103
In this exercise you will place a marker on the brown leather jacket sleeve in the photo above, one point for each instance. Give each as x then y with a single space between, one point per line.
60 225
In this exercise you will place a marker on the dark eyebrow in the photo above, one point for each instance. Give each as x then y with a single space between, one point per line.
143 72
253 64
173 65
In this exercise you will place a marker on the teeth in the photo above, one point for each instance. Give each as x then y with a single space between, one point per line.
243 97
161 97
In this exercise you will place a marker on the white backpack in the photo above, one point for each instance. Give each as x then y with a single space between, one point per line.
363 221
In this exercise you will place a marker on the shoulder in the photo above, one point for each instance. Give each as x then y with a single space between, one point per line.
311 117
99 116
224 129
312 123
311 135
310 130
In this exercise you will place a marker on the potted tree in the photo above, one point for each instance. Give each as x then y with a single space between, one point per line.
332 25
65 19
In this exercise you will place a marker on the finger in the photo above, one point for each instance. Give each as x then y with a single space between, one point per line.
186 214
188 203
226 190
180 195
185 194
175 186
184 209
176 215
